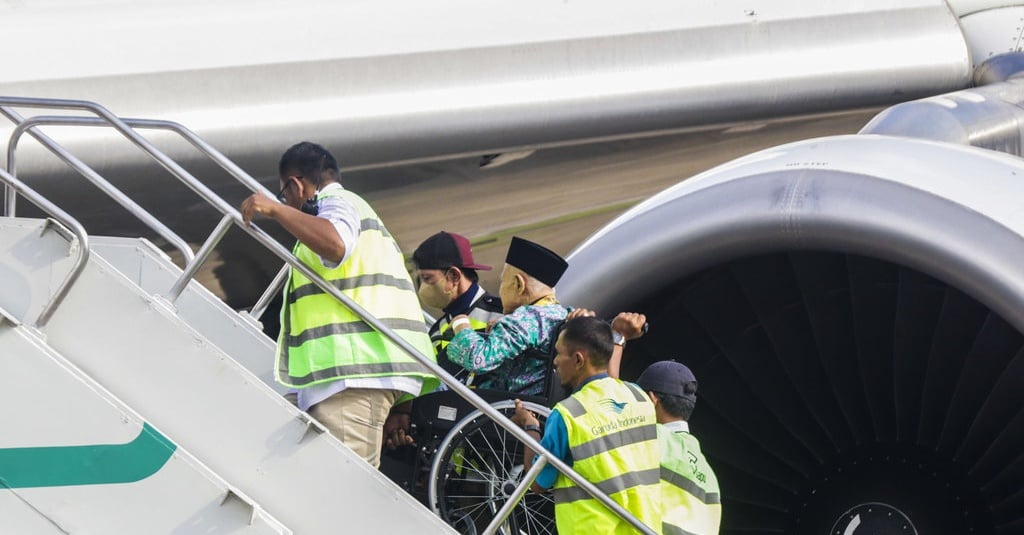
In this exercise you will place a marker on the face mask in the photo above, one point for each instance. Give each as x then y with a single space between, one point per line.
436 294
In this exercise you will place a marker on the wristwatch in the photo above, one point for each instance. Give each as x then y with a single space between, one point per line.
618 339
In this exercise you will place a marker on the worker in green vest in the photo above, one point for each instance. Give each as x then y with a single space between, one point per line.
690 493
605 430
343 372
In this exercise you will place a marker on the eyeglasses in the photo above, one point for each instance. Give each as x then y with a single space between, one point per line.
280 194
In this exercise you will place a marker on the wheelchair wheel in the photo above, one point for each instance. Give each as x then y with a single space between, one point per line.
478 465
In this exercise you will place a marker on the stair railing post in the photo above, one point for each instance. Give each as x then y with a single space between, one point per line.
69 223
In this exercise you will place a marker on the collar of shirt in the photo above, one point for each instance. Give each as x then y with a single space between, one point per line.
330 186
589 379
677 426
544 301
464 301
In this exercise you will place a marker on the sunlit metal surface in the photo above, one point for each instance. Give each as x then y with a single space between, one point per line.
783 197
992 31
441 79
999 68
989 117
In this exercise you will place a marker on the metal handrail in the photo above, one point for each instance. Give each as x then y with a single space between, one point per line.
62 217
263 302
514 498
23 125
257 310
9 196
231 214
193 262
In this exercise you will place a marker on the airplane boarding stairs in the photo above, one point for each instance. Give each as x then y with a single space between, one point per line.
138 347
115 473
237 334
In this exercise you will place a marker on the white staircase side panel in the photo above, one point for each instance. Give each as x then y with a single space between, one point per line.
151 269
77 460
20 516
31 269
140 350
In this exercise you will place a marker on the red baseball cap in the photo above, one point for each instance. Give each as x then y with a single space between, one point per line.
444 250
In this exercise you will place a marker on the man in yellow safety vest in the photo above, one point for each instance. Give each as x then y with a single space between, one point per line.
605 430
345 374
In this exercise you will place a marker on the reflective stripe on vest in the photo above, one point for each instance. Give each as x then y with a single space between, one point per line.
688 485
322 340
613 441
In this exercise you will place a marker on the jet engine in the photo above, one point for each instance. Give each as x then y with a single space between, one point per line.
853 310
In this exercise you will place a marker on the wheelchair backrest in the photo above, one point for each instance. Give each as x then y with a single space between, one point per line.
553 389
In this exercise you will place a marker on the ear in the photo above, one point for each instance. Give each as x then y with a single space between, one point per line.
453 274
520 283
308 189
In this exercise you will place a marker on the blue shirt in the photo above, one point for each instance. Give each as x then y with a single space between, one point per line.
556 440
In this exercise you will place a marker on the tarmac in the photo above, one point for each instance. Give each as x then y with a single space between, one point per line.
558 197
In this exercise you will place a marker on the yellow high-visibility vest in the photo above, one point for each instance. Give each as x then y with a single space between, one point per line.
322 340
613 440
693 502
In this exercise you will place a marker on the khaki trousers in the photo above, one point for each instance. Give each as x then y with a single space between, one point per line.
356 417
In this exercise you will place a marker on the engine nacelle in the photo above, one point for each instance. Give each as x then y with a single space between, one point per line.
852 308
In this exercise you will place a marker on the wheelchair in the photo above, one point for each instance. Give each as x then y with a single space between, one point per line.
464 466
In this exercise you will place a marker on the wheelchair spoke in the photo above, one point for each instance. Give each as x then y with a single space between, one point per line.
475 506
536 520
490 476
470 468
541 522
475 469
490 445
502 434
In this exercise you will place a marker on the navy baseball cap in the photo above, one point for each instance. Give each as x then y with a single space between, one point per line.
667 377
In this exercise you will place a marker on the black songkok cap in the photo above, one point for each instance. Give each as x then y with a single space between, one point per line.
536 261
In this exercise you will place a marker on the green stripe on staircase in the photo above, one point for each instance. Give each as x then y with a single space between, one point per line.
100 464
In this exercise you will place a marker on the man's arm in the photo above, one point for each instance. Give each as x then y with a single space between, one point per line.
315 232
524 418
631 326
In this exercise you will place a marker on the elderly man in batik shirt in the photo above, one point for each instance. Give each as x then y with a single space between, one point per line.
515 354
